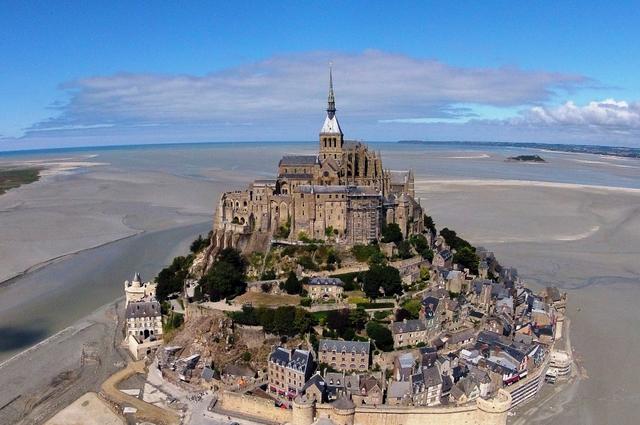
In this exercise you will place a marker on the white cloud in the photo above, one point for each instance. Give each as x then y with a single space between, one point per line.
371 85
606 115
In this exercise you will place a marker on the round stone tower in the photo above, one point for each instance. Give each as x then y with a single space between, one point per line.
494 410
303 411
343 411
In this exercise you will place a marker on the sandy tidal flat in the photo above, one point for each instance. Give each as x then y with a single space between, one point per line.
586 240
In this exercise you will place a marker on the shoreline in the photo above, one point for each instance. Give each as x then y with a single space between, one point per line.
39 266
526 183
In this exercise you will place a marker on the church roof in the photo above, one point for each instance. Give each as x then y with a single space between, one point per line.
331 125
299 160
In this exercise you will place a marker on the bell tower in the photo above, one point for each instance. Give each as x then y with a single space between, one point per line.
331 137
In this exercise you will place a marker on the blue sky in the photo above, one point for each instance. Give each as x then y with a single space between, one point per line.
92 73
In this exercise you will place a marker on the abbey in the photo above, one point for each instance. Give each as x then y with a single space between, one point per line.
342 193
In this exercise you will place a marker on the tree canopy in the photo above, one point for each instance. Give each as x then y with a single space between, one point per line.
381 276
381 336
226 278
171 279
391 233
292 285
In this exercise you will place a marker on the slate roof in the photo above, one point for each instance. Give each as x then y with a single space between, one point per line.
398 389
299 160
406 360
408 326
143 309
315 381
299 360
326 281
346 346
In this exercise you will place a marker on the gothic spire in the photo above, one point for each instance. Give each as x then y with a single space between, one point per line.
331 107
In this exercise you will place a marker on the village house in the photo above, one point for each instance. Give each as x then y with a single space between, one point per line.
426 387
288 371
344 355
324 288
409 333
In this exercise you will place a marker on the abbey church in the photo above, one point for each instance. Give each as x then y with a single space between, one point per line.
343 193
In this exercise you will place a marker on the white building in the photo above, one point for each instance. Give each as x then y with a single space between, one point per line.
143 317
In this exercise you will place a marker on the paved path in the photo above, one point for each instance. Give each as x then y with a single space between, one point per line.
146 411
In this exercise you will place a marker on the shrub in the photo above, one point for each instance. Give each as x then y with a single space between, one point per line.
305 302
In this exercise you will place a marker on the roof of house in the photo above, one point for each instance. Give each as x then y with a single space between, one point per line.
315 381
326 281
296 359
406 360
408 326
464 335
398 389
346 346
143 309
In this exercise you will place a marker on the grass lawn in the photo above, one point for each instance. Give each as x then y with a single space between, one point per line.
356 297
268 300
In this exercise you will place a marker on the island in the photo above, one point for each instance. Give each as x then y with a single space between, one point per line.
525 158
11 178
329 295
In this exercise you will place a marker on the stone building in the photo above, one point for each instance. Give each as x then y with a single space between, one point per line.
143 318
343 193
288 371
324 288
344 355
143 327
136 290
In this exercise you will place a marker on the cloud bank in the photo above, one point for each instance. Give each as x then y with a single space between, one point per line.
382 96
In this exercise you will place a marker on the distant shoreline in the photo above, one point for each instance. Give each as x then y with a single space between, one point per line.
617 151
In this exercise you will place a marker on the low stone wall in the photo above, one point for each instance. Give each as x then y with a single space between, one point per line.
254 406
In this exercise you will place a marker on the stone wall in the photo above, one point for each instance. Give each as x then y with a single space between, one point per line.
254 406
482 412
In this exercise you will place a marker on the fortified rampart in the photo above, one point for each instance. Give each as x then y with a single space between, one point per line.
482 412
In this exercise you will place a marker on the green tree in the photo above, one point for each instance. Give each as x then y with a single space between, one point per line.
404 250
391 233
199 244
226 278
292 285
381 336
382 276
268 275
419 242
358 318
467 258
171 279
377 258
429 223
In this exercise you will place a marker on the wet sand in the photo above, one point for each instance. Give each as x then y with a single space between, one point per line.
585 240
